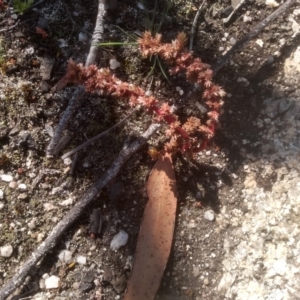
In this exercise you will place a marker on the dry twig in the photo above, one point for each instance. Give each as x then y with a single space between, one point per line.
79 92
252 34
75 212
228 19
193 30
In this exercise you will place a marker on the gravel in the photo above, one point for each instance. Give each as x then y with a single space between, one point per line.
261 258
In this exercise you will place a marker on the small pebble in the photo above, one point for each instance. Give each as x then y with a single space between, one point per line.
82 37
206 281
247 19
49 206
1 194
114 64
6 251
52 282
32 224
81 259
232 40
271 3
65 256
67 202
6 178
67 161
148 93
13 185
119 240
209 215
22 187
1 205
260 42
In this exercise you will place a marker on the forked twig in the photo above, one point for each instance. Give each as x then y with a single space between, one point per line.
93 139
57 232
252 34
79 92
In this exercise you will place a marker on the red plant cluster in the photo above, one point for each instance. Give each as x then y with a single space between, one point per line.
190 137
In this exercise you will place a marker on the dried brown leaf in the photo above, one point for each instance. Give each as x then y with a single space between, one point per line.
156 233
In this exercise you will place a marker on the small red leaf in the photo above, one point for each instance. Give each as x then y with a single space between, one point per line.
156 233
41 31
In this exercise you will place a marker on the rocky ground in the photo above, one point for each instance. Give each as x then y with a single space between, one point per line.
237 233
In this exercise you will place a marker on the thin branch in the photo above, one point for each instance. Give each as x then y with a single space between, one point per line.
9 28
79 92
227 20
98 33
93 139
57 232
68 113
193 30
252 34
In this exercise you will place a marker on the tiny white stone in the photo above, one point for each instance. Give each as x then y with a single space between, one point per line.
49 206
226 34
221 48
1 194
296 12
114 64
271 3
260 42
67 161
65 256
6 250
1 205
82 37
62 43
81 259
67 202
32 223
247 19
22 187
243 81
201 107
13 185
6 178
181 92
232 40
148 93
119 240
52 282
209 215
40 237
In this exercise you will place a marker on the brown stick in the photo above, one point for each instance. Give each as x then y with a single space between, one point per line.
79 92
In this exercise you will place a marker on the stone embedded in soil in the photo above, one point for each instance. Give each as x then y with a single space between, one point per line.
81 259
1 205
209 215
49 206
6 251
119 240
1 194
114 64
6 178
22 187
52 282
87 287
65 256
